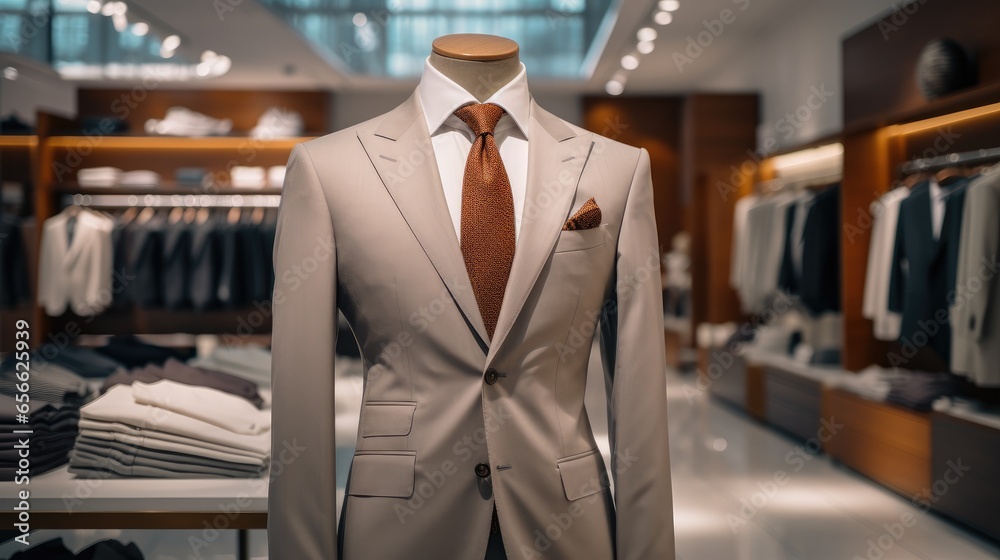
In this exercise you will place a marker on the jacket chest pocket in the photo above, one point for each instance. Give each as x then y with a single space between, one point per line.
582 239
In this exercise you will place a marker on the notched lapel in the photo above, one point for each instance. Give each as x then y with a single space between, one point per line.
400 149
557 156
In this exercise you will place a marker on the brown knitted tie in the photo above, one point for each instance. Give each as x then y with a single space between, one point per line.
487 213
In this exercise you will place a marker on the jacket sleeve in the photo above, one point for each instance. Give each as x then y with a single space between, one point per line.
635 378
302 495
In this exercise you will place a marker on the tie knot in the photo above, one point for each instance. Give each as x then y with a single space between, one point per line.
481 117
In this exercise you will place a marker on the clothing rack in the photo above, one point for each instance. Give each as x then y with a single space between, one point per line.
779 184
974 157
174 200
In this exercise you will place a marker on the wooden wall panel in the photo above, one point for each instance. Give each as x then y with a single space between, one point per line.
719 136
653 123
880 60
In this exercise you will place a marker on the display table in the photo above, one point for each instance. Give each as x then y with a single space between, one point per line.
59 500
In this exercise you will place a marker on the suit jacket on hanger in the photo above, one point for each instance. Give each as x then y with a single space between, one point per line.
452 420
819 289
921 292
975 317
75 273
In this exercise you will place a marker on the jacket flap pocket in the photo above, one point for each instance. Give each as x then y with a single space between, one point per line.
387 474
580 239
385 418
583 474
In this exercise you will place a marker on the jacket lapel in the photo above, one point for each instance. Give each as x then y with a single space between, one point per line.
556 158
402 153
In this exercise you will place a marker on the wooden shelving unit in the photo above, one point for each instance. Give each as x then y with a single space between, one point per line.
18 165
63 148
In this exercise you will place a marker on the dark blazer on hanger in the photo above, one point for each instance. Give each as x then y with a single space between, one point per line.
819 290
920 292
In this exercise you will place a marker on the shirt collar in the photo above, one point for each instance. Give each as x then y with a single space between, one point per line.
440 96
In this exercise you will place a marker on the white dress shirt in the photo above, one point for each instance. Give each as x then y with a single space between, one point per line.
875 304
937 207
118 405
452 139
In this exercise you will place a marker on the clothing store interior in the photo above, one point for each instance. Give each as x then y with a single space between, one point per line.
824 178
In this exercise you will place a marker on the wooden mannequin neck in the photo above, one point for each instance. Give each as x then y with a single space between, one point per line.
481 78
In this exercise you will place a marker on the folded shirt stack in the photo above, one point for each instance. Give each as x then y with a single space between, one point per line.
139 178
131 351
192 176
277 122
920 389
174 370
171 430
247 362
276 176
248 177
47 382
98 176
180 121
102 550
52 432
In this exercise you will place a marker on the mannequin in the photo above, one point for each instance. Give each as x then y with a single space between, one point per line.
481 64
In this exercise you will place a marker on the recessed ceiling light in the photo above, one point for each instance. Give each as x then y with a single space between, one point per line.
669 5
140 28
10 73
663 18
120 8
644 47
94 6
630 62
614 87
171 42
646 34
108 9
208 56
360 19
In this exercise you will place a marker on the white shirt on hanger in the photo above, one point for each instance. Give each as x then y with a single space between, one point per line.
937 207
875 305
452 139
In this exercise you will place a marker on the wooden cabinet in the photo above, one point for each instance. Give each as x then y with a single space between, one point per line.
965 464
889 444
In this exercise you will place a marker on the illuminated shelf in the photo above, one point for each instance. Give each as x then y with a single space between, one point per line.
18 141
166 188
175 142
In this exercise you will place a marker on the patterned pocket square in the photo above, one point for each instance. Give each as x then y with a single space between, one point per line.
587 217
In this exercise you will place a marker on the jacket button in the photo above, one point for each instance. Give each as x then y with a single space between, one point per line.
972 323
482 470
491 376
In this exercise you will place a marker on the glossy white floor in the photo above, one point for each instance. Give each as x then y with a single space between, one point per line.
744 492
741 492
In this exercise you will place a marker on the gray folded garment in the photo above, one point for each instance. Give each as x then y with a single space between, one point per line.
164 441
130 454
151 468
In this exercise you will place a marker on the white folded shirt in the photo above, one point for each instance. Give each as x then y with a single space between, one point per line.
118 405
216 407
139 178
98 176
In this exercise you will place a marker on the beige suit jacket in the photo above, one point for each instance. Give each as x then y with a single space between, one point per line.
364 227
975 314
